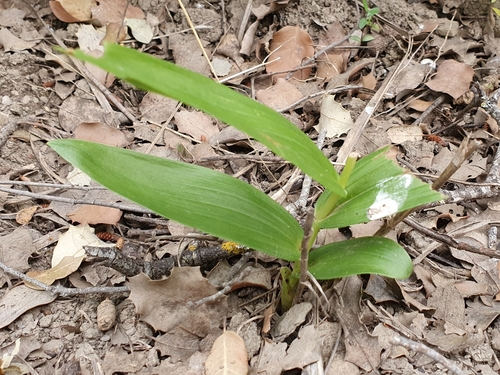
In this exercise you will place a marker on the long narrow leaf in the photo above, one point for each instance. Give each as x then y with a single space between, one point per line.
199 197
364 255
255 119
377 188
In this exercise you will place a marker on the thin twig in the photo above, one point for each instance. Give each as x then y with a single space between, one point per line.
60 290
424 349
122 207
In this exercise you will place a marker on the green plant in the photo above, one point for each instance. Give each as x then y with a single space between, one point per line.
213 202
367 21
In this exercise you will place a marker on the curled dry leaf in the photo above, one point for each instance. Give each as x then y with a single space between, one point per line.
106 315
289 47
72 10
92 214
24 216
228 356
111 11
334 118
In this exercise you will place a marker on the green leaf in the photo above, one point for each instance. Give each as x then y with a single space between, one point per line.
372 12
195 196
377 188
368 38
366 255
255 119
362 23
497 11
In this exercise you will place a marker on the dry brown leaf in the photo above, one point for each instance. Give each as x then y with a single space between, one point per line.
164 304
10 42
280 95
24 216
111 11
65 267
368 82
72 10
419 105
228 356
196 124
334 62
16 248
12 17
334 118
289 47
452 78
92 214
106 315
115 33
100 133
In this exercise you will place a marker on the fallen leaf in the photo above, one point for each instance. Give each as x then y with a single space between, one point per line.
100 133
452 78
10 42
401 134
334 118
92 214
25 215
333 62
18 300
64 268
71 243
111 11
12 17
280 95
289 47
228 356
141 30
15 249
72 10
165 304
196 124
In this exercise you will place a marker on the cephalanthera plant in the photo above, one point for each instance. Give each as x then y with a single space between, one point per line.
218 204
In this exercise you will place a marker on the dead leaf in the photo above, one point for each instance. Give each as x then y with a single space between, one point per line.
401 134
280 95
290 320
64 268
15 249
92 214
196 124
118 360
228 356
289 47
452 78
333 62
72 10
10 42
18 300
100 133
12 17
111 11
164 304
419 105
25 215
13 368
141 30
334 118
71 243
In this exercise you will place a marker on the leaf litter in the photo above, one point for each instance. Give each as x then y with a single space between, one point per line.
451 301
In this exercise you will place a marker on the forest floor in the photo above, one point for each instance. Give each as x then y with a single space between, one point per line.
421 73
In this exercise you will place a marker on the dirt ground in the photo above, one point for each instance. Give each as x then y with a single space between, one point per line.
433 62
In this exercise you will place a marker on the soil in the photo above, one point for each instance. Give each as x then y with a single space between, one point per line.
450 304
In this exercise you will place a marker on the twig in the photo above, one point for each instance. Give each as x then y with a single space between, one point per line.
324 92
60 290
122 207
51 185
195 33
436 103
424 349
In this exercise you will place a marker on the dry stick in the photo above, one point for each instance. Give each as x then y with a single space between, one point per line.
122 207
51 185
163 127
336 90
89 76
60 290
191 25
436 103
424 349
